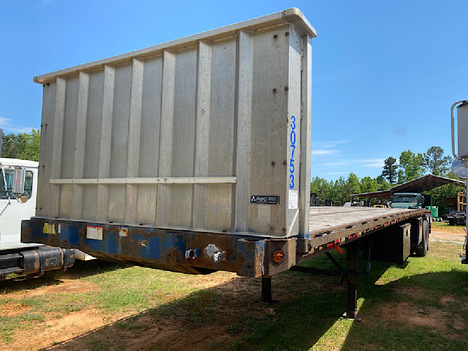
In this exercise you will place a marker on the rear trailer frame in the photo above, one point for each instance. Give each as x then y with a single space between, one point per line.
201 252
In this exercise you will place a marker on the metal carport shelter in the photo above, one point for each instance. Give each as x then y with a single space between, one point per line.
419 185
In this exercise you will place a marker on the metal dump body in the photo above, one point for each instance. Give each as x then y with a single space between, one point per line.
207 133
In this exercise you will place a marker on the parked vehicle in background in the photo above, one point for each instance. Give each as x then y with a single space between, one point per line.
456 217
407 200
457 212
18 191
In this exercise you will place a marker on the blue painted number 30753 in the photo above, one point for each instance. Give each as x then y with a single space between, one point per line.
292 139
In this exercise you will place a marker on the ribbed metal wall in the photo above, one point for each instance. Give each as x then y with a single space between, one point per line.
182 137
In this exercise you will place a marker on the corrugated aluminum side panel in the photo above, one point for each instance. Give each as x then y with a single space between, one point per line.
183 136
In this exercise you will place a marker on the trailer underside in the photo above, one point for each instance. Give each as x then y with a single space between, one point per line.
395 232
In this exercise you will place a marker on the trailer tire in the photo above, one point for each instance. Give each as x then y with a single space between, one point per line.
423 247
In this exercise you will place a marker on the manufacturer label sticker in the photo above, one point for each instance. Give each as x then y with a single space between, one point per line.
265 199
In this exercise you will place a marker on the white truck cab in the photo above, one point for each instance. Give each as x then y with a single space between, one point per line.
13 208
18 191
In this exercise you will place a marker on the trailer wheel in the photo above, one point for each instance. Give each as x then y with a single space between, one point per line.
423 247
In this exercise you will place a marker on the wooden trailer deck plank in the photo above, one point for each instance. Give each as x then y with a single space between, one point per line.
325 221
342 225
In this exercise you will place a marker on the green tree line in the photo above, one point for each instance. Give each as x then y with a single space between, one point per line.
407 167
24 146
340 190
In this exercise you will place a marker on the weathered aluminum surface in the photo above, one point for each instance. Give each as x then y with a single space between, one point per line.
180 135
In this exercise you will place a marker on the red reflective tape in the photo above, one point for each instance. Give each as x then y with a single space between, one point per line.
333 246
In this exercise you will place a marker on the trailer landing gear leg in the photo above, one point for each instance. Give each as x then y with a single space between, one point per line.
266 290
352 250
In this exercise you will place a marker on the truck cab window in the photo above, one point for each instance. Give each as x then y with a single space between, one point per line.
6 183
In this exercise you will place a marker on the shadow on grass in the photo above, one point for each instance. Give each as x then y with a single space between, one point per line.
307 313
421 312
80 269
227 316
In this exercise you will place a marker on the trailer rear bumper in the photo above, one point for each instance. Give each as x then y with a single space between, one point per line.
181 251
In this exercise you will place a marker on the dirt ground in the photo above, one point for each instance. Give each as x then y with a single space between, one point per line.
447 234
93 329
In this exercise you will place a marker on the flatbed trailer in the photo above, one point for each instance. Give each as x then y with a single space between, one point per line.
194 156
399 232
249 256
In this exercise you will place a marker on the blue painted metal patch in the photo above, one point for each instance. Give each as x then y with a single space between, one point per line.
153 247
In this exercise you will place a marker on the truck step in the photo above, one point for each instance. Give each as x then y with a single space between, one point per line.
10 260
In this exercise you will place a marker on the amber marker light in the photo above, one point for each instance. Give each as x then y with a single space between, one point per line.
278 256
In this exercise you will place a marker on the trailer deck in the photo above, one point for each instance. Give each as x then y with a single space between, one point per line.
333 226
324 219
336 222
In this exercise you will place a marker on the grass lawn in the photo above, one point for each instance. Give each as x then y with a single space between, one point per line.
420 306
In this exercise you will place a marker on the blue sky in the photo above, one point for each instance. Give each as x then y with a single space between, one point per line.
385 73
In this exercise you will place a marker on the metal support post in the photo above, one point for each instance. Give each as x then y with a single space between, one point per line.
352 250
460 165
465 260
1 141
266 290
334 261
